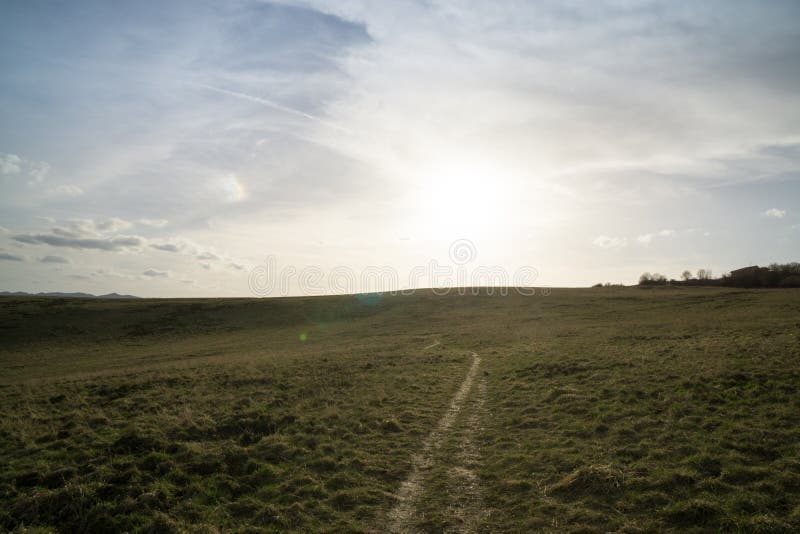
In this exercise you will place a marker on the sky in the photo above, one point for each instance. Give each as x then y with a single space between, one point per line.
240 148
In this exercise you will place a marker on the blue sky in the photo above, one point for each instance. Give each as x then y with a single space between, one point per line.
168 148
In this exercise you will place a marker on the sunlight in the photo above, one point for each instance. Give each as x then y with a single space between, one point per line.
460 195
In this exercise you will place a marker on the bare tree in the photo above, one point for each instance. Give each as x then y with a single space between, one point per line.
702 274
686 275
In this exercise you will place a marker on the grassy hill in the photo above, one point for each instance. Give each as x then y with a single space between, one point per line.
588 410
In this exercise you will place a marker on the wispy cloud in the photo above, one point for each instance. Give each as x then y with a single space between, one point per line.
53 259
776 213
153 273
275 105
67 190
610 242
646 239
168 247
108 244
5 256
153 223
10 164
35 171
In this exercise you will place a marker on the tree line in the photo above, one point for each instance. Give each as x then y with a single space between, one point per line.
776 275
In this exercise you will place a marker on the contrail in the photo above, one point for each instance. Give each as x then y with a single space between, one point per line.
275 105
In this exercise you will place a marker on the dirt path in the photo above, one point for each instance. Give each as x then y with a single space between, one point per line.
466 498
403 516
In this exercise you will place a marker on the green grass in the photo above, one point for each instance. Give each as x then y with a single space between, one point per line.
663 410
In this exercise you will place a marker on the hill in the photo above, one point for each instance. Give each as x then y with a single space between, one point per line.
593 410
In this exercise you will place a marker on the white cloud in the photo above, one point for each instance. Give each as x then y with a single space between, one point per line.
775 212
604 241
10 164
4 230
91 228
38 171
646 239
67 190
153 223
114 224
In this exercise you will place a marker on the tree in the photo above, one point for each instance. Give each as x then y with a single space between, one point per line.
645 279
686 275
702 274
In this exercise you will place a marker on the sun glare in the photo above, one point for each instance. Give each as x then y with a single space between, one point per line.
460 196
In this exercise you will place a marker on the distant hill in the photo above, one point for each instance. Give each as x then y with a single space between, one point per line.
66 295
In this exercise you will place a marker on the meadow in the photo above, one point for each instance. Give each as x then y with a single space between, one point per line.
587 410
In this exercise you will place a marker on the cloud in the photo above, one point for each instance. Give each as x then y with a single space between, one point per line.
10 257
236 266
91 228
38 171
152 273
55 239
53 259
604 241
153 223
67 190
277 106
10 164
4 230
646 239
114 224
775 212
168 247
110 274
208 256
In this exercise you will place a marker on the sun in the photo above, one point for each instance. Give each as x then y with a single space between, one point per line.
459 196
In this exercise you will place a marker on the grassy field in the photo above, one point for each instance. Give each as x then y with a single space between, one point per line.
630 410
